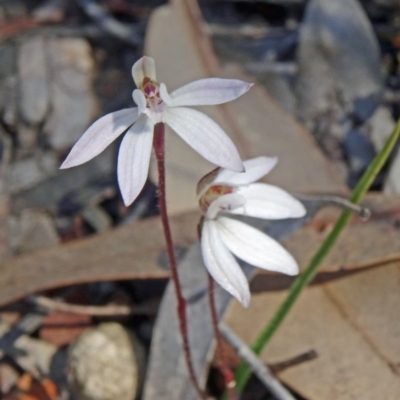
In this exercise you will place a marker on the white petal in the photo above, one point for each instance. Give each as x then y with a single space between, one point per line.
269 202
144 67
255 169
140 100
255 247
227 202
209 91
205 136
99 135
221 265
134 159
165 95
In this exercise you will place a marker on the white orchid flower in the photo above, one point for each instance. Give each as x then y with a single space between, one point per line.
223 192
155 105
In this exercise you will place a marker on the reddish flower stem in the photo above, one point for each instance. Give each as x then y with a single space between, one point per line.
226 371
159 148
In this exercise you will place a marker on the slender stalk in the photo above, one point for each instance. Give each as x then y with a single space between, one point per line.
159 148
243 372
226 371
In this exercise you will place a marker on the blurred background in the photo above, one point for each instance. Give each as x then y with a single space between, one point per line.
329 69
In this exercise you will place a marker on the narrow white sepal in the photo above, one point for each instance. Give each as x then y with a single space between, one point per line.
145 67
255 247
205 136
269 202
165 97
227 202
140 100
255 169
100 135
221 265
134 159
208 92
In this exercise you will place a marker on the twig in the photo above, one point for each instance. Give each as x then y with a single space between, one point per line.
110 310
300 359
363 212
262 372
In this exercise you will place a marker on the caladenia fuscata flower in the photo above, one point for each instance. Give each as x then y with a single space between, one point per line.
154 106
223 194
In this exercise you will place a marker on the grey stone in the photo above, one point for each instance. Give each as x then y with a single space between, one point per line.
4 225
27 136
380 126
7 57
73 104
86 201
32 230
392 183
359 153
338 58
105 363
27 173
2 96
97 218
48 193
6 149
9 95
33 80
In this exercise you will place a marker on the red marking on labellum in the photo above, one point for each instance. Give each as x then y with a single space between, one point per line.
212 194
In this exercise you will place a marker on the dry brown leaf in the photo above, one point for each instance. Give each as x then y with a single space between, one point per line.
353 326
132 251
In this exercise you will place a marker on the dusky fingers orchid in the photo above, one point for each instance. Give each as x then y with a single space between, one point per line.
155 105
223 193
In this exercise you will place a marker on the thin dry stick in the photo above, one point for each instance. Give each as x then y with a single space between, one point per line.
159 148
262 372
226 371
109 310
363 212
